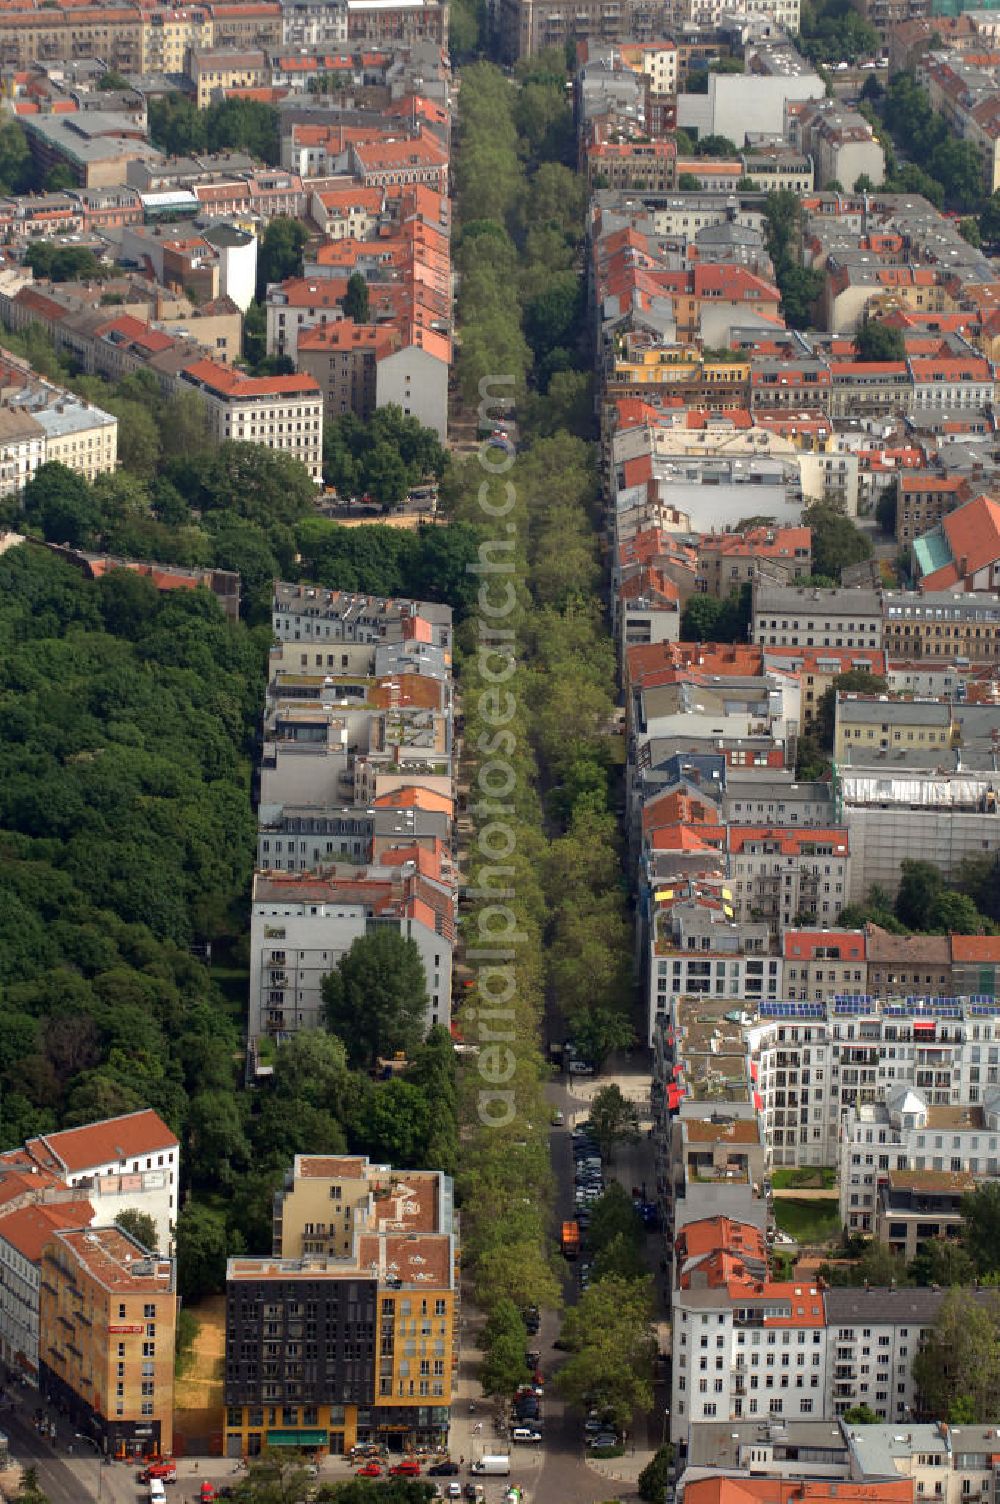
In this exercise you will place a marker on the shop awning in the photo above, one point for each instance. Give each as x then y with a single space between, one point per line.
298 1438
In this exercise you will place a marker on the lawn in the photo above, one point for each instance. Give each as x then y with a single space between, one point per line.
807 1178
807 1221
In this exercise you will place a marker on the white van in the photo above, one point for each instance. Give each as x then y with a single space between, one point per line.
157 1492
495 1466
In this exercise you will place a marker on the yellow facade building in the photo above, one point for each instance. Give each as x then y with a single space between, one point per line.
347 1332
107 1323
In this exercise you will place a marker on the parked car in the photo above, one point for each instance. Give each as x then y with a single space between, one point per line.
442 1470
454 1490
580 1068
408 1468
157 1493
207 1494
605 1439
370 1470
526 1433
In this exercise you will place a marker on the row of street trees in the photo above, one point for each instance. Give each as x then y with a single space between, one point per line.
520 315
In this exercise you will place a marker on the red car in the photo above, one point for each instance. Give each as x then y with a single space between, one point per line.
207 1493
408 1468
370 1470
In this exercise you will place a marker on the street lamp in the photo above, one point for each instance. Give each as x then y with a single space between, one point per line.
81 1436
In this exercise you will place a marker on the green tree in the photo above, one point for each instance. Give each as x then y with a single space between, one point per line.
959 1360
613 1118
655 1476
877 341
942 1261
141 1227
989 218
279 255
836 542
15 158
504 1342
981 1227
968 228
687 182
29 1490
920 886
201 1251
620 1259
610 1340
376 1000
613 1217
355 300
59 178
61 505
860 1415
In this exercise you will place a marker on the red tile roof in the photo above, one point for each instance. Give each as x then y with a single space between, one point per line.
973 534
229 383
31 1227
112 1141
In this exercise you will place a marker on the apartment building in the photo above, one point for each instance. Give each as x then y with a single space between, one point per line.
942 624
339 619
940 1461
820 965
817 1061
342 358
213 71
868 726
696 948
42 35
22 450
743 1345
126 1162
915 1206
788 876
923 499
280 412
727 561
350 1337
24 1233
807 617
80 436
872 1339
302 923
107 1317
314 26
963 551
905 1133
817 668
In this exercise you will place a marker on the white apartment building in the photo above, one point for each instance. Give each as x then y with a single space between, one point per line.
757 1352
872 1339
311 27
126 1162
80 436
278 412
905 1132
808 617
309 614
694 949
816 1063
301 925
22 450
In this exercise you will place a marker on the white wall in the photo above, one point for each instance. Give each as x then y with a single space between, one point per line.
418 383
737 102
